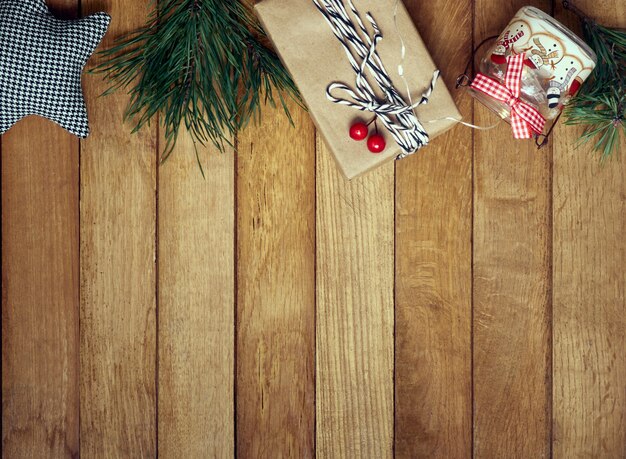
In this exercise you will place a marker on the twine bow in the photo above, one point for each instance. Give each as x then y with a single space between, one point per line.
394 112
525 119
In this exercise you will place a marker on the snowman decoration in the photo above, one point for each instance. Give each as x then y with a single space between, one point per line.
515 36
545 54
566 79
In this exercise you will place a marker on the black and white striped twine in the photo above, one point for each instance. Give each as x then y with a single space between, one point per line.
394 112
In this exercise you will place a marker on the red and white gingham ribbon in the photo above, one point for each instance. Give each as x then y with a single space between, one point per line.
525 119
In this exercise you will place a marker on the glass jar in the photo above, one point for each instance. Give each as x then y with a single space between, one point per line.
556 63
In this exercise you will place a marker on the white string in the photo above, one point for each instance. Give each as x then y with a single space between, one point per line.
395 113
469 125
406 83
402 51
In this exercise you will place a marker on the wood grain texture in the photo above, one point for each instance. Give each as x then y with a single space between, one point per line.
196 303
589 287
276 286
355 311
40 300
118 290
39 291
433 402
512 279
235 334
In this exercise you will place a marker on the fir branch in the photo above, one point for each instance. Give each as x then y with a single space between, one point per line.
199 64
600 104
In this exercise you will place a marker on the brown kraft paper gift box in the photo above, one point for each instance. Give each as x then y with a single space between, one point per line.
316 58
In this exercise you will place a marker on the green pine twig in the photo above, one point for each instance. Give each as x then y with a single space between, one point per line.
600 105
198 64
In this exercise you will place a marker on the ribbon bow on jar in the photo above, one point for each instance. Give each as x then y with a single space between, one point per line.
525 119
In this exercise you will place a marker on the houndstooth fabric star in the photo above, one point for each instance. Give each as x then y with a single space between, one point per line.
41 62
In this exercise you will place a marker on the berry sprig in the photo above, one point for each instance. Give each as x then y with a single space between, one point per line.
375 142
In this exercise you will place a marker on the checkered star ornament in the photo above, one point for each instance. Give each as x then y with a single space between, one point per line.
41 62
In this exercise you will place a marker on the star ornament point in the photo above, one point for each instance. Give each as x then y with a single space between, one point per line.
41 62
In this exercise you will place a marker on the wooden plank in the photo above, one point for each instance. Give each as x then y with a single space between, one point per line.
512 278
589 287
196 303
355 311
276 287
40 286
118 289
433 400
39 291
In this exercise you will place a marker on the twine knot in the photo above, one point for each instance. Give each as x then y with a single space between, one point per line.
394 112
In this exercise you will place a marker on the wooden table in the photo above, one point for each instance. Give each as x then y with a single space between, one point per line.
467 301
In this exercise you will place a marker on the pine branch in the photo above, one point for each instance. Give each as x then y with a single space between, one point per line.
600 104
200 64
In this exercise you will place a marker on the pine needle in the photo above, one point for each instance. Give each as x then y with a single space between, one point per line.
200 64
600 105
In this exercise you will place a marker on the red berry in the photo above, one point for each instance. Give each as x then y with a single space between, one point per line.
376 143
358 131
